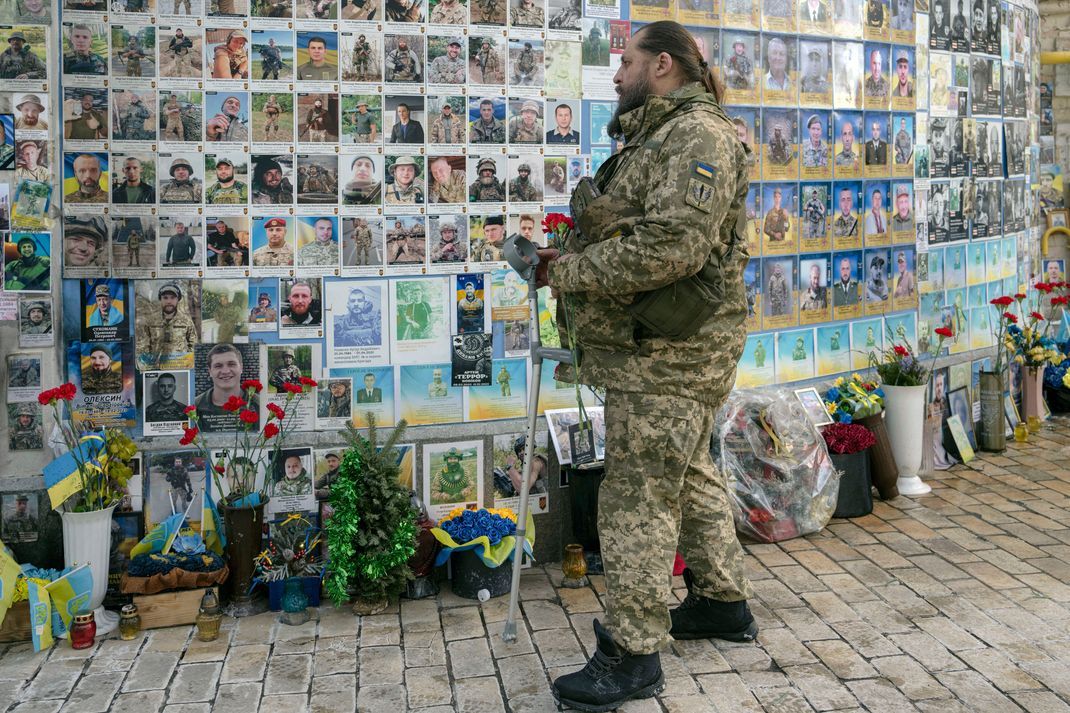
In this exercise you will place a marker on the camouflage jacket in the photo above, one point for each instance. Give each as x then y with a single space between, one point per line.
675 201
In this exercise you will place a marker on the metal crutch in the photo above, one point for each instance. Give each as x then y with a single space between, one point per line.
521 256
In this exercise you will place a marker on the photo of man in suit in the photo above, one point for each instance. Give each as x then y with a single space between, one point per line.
370 394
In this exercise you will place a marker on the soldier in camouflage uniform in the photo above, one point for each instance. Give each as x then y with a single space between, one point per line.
166 332
287 372
778 148
90 124
83 60
815 151
521 189
132 122
814 210
30 271
487 188
26 375
490 248
21 526
18 62
526 13
739 70
846 223
25 432
101 378
36 322
487 129
778 292
672 202
451 480
488 62
449 12
447 127
362 242
263 312
876 85
503 378
449 68
448 185
323 250
166 407
87 173
904 144
777 221
227 190
526 128
174 130
406 188
277 253
132 57
362 58
183 186
133 249
525 67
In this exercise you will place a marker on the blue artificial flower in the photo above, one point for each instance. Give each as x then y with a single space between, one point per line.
833 394
878 392
1014 330
846 418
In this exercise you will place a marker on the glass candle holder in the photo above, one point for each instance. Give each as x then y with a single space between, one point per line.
574 566
83 631
129 623
1034 424
1021 433
209 617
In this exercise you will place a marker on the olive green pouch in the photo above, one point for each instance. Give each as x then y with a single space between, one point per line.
679 310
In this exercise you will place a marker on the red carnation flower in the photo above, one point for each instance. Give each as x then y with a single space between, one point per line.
1019 296
944 332
218 467
1059 300
1037 316
252 384
1003 301
247 416
553 221
189 409
1010 317
187 439
307 381
234 403
1044 287
271 430
67 391
292 387
45 397
900 351
276 411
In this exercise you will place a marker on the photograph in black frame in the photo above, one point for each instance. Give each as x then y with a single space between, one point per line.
958 403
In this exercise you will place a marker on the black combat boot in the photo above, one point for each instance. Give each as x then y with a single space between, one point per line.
700 617
610 678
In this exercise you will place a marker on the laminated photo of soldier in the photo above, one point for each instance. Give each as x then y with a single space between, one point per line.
509 452
179 114
407 114
85 244
290 474
876 147
903 208
486 120
488 12
317 179
448 124
404 180
227 241
174 482
877 277
181 247
27 263
31 204
223 304
485 182
815 77
875 218
334 398
282 9
167 324
165 396
262 305
361 56
35 316
271 52
876 17
554 168
317 240
814 213
133 51
448 239
272 242
24 53
471 307
133 243
406 240
20 514
32 114
595 43
446 63
403 58
778 80
359 322
525 183
317 56
23 372
317 117
816 149
180 179
133 179
487 237
301 301
286 365
102 369
361 10
229 178
228 57
85 177
271 179
739 65
780 129
362 119
105 308
525 122
526 62
531 13
219 370
38 12
181 51
85 114
272 117
216 8
226 117
133 115
85 48
486 57
813 289
447 12
938 212
940 26
779 276
317 9
363 180
362 242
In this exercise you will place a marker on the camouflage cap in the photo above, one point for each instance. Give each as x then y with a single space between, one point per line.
92 227
405 161
288 351
445 224
877 262
25 410
486 164
36 305
814 53
17 35
102 291
31 99
332 454
220 162
180 162
264 296
237 34
337 382
170 287
901 57
523 167
454 41
530 106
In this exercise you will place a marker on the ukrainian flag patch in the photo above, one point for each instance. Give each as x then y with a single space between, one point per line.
703 169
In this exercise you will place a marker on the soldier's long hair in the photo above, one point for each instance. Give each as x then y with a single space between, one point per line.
674 39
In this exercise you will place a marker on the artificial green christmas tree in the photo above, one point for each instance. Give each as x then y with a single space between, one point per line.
372 533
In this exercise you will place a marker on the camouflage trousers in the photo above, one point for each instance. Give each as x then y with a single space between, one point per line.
662 493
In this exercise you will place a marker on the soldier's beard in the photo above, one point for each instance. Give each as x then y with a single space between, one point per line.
630 98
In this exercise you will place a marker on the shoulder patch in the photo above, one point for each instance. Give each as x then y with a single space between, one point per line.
704 170
699 195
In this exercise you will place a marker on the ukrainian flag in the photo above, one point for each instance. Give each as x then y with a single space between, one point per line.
61 475
211 530
161 537
9 574
40 616
71 593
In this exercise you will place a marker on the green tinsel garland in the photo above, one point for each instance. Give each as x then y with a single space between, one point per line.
346 565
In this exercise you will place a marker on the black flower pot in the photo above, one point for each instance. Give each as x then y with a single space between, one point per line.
855 498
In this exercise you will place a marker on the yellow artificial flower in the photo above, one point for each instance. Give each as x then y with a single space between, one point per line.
856 376
839 381
830 407
1066 379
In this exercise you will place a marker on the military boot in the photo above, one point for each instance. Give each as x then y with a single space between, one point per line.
700 617
610 678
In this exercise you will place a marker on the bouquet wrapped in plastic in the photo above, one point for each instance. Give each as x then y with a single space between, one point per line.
781 481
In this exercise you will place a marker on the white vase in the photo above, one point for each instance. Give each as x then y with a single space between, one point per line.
904 408
87 540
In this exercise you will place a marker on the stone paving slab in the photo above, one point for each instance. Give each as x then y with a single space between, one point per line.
956 601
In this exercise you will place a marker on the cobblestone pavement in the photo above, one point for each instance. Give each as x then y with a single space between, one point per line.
957 601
